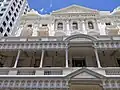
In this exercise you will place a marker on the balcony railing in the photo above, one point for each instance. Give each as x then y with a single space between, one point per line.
112 71
54 71
26 72
24 39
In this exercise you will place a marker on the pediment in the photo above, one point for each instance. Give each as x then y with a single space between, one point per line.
116 13
85 74
75 9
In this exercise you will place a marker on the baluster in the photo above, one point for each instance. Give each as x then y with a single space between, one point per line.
43 84
104 84
48 84
25 84
37 84
2 84
116 84
14 83
110 86
31 84
19 83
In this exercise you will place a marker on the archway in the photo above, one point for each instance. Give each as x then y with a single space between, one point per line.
80 36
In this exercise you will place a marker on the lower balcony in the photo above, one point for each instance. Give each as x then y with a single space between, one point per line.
54 71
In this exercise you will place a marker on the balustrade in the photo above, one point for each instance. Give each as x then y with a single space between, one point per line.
42 45
107 45
53 72
111 84
112 71
33 84
26 72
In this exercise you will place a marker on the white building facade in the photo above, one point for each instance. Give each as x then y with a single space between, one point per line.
10 13
74 48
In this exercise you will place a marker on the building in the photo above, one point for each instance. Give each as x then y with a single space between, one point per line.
74 48
10 13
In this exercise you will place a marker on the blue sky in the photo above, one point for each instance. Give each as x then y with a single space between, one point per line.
46 6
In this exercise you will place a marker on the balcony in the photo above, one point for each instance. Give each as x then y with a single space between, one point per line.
53 71
31 77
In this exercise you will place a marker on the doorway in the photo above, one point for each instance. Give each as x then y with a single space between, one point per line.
78 62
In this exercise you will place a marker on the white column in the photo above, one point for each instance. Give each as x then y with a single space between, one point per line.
66 51
42 57
97 58
17 58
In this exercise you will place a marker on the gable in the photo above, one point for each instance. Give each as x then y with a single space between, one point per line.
75 9
85 74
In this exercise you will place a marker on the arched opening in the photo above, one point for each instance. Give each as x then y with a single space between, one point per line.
60 26
80 36
82 54
75 25
90 25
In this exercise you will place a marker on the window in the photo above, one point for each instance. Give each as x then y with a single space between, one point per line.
9 13
7 18
1 29
18 6
108 23
90 25
16 1
5 35
118 61
4 24
12 8
8 0
78 62
14 4
75 25
60 26
8 29
1 0
3 9
15 14
13 19
5 5
16 10
20 3
1 14
10 24
44 25
30 25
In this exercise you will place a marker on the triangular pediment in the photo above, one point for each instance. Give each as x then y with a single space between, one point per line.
116 13
75 9
85 74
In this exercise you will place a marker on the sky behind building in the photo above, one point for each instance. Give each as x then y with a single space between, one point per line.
46 6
